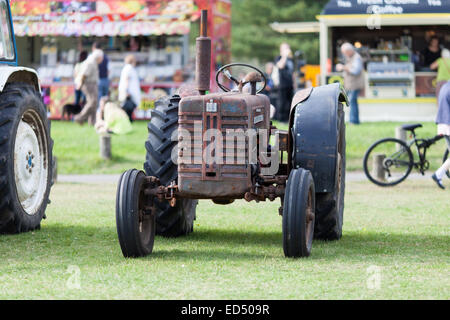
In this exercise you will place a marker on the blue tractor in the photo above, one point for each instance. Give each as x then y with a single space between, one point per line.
25 145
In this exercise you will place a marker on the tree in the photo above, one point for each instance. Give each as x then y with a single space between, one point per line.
252 36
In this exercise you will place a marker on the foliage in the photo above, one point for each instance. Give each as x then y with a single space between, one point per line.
252 36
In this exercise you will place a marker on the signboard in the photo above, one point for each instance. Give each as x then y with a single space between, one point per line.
61 8
425 85
102 18
336 7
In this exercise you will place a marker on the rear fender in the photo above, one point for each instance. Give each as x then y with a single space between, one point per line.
313 128
10 74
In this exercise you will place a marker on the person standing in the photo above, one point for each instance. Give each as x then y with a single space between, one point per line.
353 78
79 98
443 127
129 86
432 52
285 66
103 82
443 66
270 89
87 81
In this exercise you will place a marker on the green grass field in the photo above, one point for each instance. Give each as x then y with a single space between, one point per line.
395 245
77 148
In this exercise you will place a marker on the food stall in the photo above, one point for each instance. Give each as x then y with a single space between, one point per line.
51 34
390 36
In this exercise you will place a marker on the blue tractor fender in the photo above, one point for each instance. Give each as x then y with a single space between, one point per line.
9 71
315 117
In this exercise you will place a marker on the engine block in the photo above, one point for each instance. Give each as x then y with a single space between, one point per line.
214 159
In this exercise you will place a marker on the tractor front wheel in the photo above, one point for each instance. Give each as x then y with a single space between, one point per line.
298 214
135 223
25 158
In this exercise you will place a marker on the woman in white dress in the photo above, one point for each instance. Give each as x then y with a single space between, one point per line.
443 124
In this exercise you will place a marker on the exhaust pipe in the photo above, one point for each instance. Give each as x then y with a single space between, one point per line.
203 56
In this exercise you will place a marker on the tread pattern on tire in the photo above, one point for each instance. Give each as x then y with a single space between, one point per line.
170 221
13 95
295 204
329 218
127 229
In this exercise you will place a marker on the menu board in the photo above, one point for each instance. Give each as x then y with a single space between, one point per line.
335 7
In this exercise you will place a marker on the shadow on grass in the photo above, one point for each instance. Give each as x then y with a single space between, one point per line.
65 241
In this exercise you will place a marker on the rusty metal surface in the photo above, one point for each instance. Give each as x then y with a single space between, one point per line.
204 23
229 111
253 78
301 96
203 56
310 219
267 188
203 64
261 189
282 137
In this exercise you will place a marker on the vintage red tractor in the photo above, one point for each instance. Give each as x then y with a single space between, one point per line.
217 146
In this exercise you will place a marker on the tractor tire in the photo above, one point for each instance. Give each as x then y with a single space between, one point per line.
330 206
170 221
135 229
298 214
25 158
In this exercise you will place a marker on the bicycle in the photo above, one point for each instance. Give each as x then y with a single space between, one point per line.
389 161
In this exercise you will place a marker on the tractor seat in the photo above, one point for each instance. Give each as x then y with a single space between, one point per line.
411 127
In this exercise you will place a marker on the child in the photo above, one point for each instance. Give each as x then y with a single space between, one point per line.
111 118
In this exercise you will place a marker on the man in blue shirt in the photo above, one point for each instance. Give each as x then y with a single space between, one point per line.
103 83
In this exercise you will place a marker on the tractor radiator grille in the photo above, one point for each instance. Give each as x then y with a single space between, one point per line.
230 163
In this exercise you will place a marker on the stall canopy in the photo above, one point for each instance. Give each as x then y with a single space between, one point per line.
374 14
337 7
102 18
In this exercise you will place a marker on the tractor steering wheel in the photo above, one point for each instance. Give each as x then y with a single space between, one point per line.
241 82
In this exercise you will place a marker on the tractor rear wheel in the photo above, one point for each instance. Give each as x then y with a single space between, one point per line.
170 221
135 226
298 214
25 158
330 206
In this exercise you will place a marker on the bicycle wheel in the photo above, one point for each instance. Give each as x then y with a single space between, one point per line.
388 162
445 159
